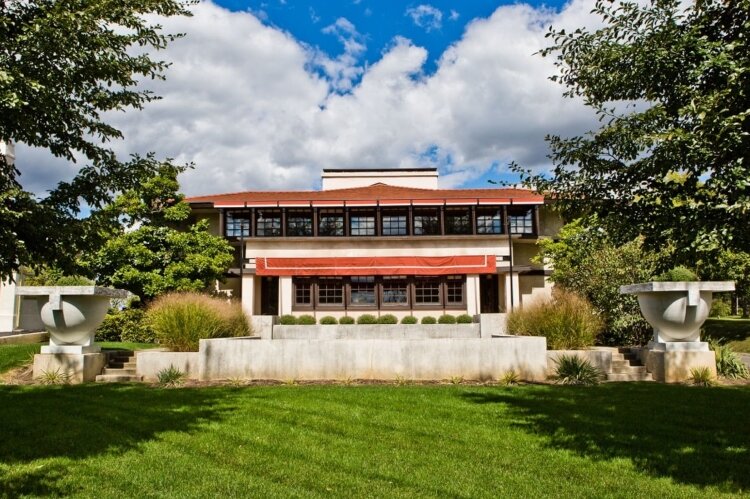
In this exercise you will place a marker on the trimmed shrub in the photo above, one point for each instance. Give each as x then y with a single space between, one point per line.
409 319
388 319
465 319
568 321
180 320
306 320
573 370
428 319
720 307
367 319
128 324
678 273
328 320
288 320
346 320
447 319
728 363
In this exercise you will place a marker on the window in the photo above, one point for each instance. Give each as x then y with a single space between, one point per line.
426 222
331 291
521 220
394 223
331 222
489 221
268 223
458 221
427 291
303 292
454 290
237 224
299 223
395 291
362 291
362 223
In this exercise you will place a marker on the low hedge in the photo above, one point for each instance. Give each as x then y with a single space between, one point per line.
387 319
346 320
409 319
328 320
465 319
306 320
367 319
447 319
428 319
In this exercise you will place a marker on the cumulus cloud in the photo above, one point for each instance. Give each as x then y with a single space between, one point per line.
426 16
254 108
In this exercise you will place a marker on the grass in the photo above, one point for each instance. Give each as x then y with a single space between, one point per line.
734 331
611 440
12 356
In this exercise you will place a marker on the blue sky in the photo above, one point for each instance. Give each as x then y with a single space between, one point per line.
264 94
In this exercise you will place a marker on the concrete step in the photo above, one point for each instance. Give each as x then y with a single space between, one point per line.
628 369
121 365
625 363
117 378
639 376
119 372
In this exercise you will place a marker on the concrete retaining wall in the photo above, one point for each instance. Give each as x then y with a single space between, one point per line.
376 331
598 358
150 362
24 338
433 359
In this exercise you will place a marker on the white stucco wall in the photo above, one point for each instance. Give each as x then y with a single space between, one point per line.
364 178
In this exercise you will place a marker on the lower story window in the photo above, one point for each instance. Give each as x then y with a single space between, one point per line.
379 292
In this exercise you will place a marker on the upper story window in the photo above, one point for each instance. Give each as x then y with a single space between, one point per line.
426 222
458 220
299 223
268 223
237 224
362 222
521 220
395 222
489 220
331 222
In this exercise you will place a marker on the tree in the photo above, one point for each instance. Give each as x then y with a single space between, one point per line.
586 261
671 162
732 266
62 65
157 250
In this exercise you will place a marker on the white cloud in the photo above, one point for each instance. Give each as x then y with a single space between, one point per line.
426 16
454 15
256 109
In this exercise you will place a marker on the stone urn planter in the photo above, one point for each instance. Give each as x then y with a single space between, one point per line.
71 314
676 310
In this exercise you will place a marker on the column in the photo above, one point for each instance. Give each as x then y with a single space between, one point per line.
248 294
516 291
472 294
285 295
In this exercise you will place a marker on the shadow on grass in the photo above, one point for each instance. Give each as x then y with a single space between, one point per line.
727 329
81 421
698 436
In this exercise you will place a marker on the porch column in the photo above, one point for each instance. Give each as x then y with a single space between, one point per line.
248 294
516 291
285 295
472 294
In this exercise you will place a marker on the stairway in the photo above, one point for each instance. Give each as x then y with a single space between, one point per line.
120 368
627 367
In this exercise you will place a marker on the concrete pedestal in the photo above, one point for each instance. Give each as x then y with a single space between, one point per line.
673 366
77 367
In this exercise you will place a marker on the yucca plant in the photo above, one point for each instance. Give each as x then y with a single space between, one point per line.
574 370
728 363
55 377
170 376
509 378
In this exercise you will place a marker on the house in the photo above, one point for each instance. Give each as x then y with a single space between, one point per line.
382 241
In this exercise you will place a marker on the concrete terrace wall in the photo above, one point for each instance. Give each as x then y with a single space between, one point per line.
433 359
376 331
601 359
150 362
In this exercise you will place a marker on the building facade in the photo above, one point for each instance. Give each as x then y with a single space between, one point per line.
382 241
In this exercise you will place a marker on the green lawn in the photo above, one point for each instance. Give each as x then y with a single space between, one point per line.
614 440
12 356
734 331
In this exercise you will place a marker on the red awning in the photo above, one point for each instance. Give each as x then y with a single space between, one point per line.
383 265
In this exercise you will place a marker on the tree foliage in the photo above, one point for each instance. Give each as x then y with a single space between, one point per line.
731 266
671 85
157 249
586 261
63 64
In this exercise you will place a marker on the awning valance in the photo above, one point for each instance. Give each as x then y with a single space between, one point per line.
381 265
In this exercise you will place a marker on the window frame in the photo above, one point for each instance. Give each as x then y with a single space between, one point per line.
323 212
290 212
228 214
370 213
280 218
416 213
496 224
313 293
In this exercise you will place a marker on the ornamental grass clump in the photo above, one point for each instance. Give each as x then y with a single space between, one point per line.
568 321
180 320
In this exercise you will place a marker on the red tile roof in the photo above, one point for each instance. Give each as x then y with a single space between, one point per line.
376 193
